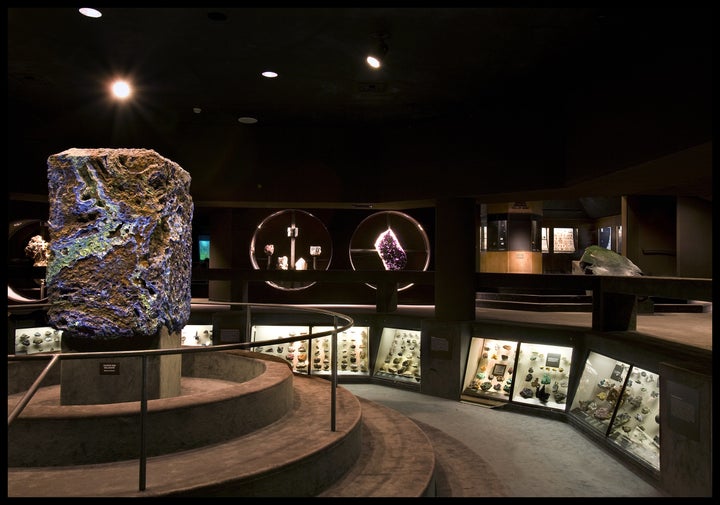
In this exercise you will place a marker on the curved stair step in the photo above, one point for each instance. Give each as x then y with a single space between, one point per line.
297 455
397 458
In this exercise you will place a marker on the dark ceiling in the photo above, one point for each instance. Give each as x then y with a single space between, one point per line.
482 102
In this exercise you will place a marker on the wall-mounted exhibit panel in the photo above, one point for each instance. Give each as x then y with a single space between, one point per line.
194 335
37 339
621 402
296 353
398 356
390 240
291 240
353 349
490 369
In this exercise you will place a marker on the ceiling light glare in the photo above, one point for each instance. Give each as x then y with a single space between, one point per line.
373 62
269 74
121 89
197 110
89 12
247 120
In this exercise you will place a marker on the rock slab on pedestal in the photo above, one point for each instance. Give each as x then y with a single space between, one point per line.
120 244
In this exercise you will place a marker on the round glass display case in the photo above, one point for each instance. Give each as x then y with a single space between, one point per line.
390 240
291 240
28 245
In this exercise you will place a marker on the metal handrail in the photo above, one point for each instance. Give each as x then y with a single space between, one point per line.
144 354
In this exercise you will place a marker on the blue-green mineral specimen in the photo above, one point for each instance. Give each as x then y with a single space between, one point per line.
120 243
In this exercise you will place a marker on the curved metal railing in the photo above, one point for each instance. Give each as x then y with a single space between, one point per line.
55 358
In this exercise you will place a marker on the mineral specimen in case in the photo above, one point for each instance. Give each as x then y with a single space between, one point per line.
391 252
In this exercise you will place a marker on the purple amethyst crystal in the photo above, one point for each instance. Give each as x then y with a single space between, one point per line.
390 251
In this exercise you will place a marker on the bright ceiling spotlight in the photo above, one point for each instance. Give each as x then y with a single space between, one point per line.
269 74
121 89
90 12
377 55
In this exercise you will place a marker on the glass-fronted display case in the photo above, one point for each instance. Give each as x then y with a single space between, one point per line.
490 369
621 401
542 376
353 351
398 356
197 335
636 426
37 339
297 353
599 390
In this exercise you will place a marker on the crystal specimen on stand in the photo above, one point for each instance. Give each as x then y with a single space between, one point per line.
391 252
121 244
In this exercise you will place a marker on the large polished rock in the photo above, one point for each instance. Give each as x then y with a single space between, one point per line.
600 261
120 246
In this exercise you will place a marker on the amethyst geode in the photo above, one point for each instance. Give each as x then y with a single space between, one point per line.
390 251
120 245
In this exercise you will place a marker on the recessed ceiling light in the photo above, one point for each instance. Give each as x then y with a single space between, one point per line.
121 89
89 12
247 120
269 74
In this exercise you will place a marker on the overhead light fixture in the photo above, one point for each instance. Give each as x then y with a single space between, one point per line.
247 120
121 89
269 74
376 56
89 12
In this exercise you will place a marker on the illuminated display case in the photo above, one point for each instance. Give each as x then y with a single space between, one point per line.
542 375
296 353
511 232
398 355
353 351
520 372
621 402
291 240
37 339
390 240
195 335
490 369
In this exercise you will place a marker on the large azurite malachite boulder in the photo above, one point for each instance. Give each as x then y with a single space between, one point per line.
120 244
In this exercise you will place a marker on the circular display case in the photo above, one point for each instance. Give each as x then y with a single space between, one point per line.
291 240
390 240
27 246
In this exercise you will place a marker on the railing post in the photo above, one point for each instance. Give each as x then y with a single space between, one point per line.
333 386
143 418
248 324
